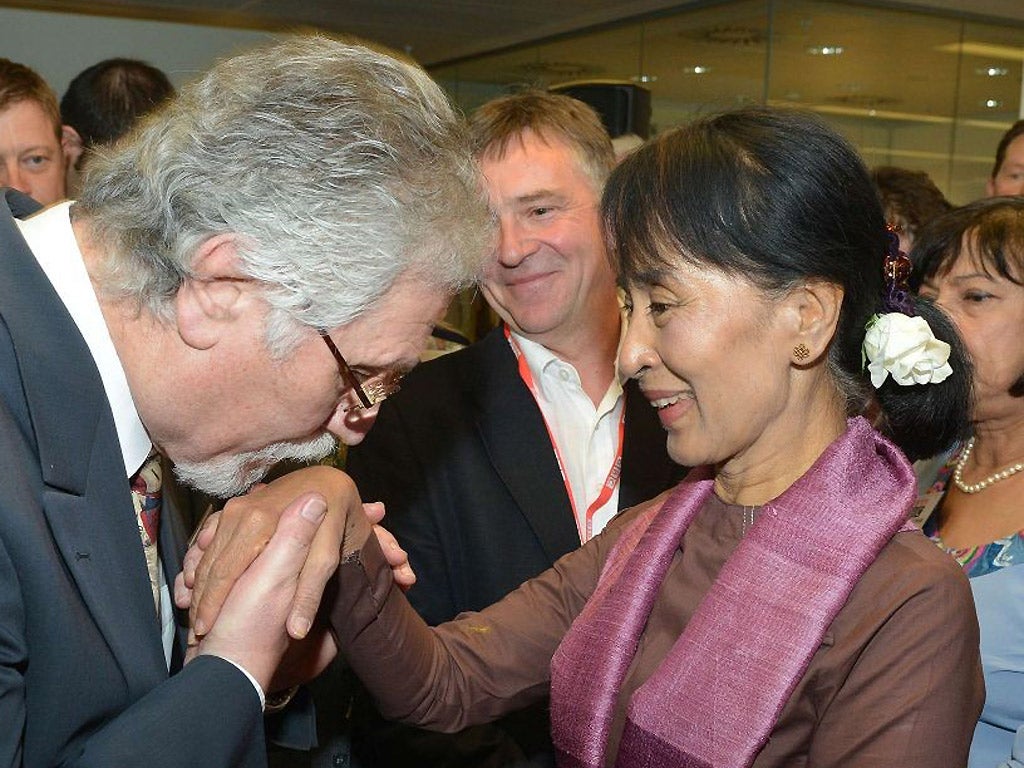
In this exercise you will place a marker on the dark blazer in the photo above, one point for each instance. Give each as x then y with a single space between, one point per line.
462 460
83 680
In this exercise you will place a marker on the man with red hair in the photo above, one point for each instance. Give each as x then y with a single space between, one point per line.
33 142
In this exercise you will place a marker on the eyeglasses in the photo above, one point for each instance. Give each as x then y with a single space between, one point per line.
372 390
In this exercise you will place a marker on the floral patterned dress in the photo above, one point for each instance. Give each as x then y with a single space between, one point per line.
999 598
978 560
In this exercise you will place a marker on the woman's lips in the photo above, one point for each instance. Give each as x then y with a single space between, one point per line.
670 405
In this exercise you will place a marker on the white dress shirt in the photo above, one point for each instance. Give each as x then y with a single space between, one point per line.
587 438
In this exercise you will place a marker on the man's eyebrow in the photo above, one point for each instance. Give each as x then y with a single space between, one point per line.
538 196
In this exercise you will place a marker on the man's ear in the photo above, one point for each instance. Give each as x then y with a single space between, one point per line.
71 145
990 187
814 310
215 296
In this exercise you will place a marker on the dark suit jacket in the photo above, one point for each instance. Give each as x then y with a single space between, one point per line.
83 680
462 460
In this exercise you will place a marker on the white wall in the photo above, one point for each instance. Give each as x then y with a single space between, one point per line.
60 45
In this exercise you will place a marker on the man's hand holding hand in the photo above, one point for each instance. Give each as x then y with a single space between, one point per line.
249 630
233 539
230 541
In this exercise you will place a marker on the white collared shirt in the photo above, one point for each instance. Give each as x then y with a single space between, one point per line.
52 241
587 437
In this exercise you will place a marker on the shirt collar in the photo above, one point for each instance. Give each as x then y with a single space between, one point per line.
539 359
537 356
52 241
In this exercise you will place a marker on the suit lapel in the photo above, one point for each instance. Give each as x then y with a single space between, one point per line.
86 497
516 440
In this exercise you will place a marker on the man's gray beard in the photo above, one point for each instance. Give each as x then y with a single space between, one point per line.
234 475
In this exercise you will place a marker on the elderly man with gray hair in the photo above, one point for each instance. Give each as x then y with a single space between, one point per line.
243 281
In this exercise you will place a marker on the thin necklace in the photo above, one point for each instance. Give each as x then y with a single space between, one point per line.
981 485
748 520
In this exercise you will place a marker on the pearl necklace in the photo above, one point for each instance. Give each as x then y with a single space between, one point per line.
981 485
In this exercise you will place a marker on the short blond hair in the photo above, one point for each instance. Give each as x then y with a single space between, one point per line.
551 116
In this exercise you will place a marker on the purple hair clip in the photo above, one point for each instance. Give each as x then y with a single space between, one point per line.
897 268
897 343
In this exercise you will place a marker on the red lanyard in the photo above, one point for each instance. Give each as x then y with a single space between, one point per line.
585 527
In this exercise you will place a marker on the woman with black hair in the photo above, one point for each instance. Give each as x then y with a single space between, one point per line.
776 608
971 263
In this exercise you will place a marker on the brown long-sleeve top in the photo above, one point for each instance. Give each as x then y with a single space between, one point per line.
896 681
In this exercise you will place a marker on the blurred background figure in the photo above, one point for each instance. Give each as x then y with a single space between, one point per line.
910 200
625 144
971 263
443 339
32 141
103 102
1008 171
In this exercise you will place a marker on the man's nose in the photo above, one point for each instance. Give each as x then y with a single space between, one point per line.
514 243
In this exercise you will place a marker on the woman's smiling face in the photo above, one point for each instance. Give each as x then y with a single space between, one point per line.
712 357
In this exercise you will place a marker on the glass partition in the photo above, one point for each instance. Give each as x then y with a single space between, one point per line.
913 89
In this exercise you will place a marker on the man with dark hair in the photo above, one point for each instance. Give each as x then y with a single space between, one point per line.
496 460
1008 172
243 280
33 143
103 102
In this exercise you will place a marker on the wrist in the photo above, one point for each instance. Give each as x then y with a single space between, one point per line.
241 668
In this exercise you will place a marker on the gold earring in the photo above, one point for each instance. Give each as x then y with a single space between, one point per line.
801 352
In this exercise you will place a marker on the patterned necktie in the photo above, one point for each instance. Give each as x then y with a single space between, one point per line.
146 499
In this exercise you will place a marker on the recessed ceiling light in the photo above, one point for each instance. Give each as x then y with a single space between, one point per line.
644 78
991 103
697 69
992 71
825 50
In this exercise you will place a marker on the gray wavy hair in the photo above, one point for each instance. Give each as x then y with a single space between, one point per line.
339 167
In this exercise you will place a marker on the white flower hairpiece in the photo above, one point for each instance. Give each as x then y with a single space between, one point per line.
904 347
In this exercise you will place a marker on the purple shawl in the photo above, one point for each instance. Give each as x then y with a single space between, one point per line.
714 699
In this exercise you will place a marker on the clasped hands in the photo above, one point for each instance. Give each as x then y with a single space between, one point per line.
255 573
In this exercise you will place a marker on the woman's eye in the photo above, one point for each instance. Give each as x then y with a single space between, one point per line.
976 297
657 308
